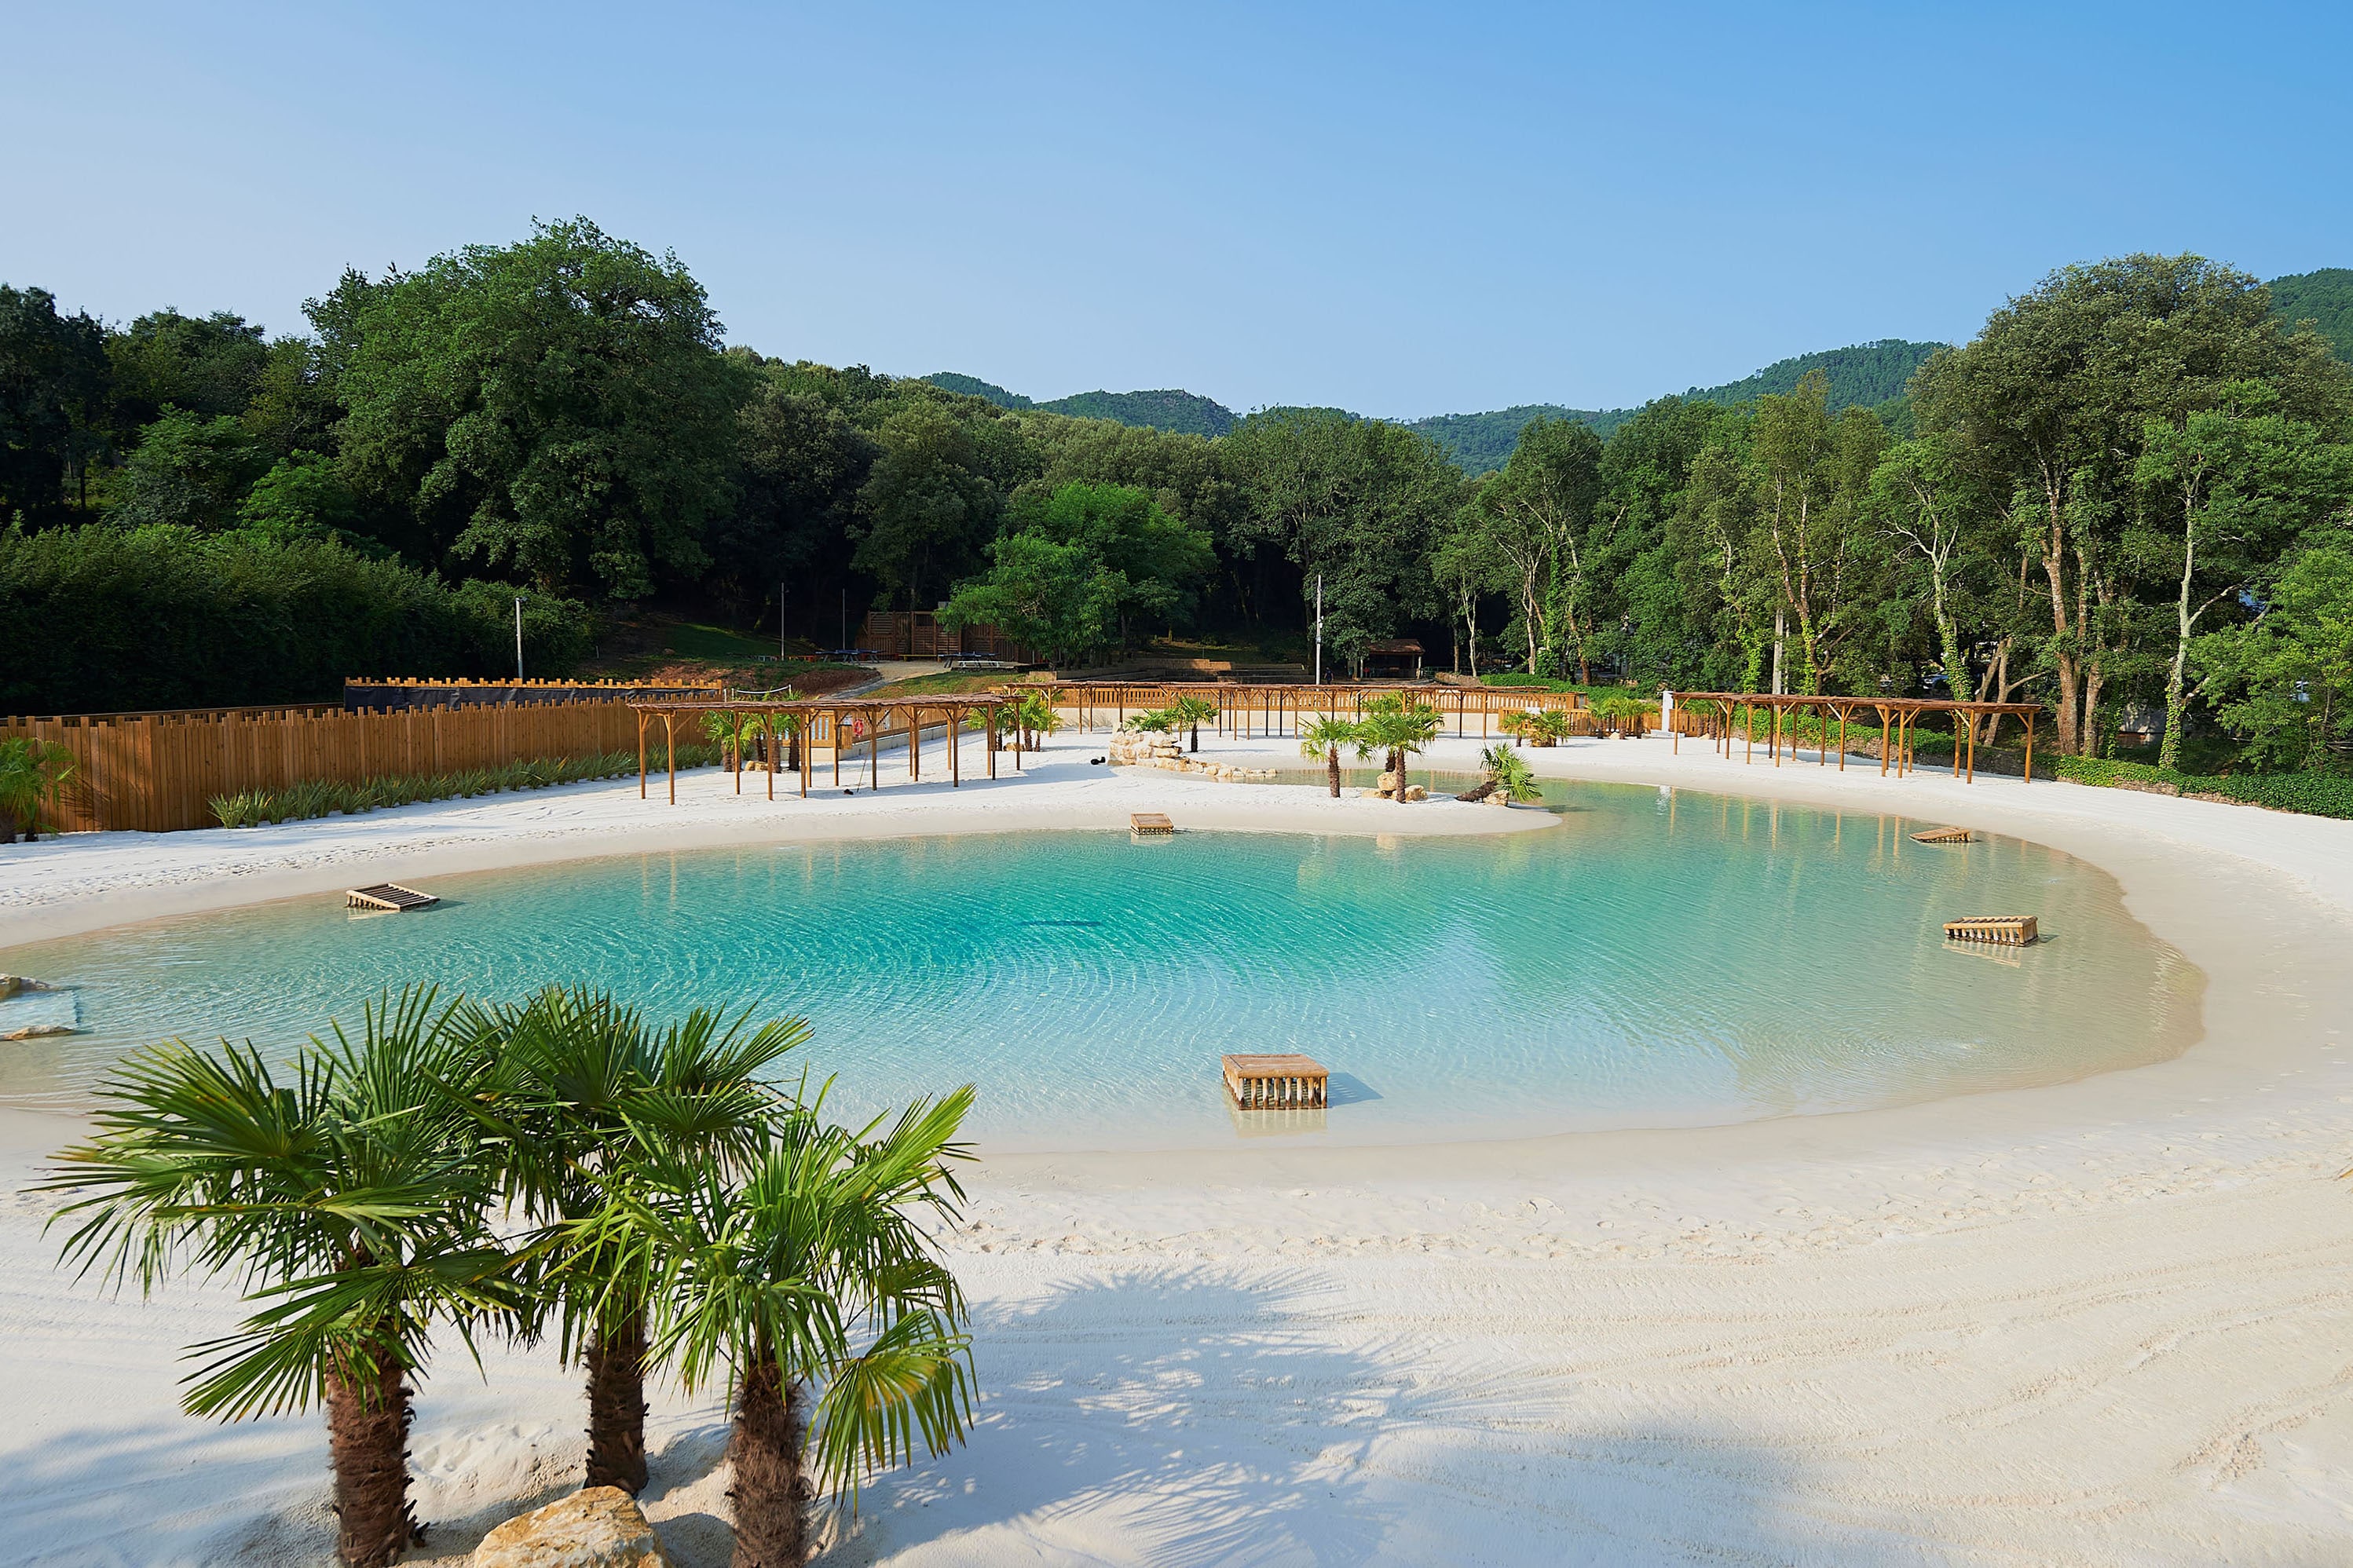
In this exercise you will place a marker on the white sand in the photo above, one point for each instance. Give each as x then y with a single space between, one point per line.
2098 1322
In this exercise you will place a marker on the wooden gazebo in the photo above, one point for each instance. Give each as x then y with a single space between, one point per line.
832 722
1897 716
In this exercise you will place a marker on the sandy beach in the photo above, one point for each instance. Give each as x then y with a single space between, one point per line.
2103 1321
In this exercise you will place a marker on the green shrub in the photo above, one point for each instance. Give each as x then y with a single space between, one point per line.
323 797
2314 793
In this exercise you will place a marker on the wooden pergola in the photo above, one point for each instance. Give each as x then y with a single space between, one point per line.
1248 708
1897 716
833 720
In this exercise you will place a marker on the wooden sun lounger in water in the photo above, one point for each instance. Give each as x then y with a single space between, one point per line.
2004 930
1943 836
1276 1082
1150 824
388 895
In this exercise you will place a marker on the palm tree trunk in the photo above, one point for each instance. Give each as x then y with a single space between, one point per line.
367 1443
1331 768
617 1408
1397 768
770 1491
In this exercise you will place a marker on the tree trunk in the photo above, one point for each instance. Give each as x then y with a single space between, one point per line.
770 1491
367 1443
1397 767
1331 769
617 1408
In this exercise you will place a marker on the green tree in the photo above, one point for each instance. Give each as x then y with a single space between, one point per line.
209 365
2283 681
1923 498
925 510
559 406
304 496
1538 516
351 1204
1057 599
188 470
1396 726
2225 490
53 390
814 1274
1810 472
2051 401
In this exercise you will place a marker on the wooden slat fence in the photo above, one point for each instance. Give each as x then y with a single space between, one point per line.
155 771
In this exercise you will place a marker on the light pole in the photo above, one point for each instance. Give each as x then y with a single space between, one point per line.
518 636
1319 628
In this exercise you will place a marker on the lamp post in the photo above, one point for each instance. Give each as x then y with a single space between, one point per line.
1319 628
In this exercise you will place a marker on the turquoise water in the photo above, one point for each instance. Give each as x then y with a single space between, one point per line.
1660 959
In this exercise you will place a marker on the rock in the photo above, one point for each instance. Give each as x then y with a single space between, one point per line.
1498 798
10 984
1385 783
1416 792
599 1527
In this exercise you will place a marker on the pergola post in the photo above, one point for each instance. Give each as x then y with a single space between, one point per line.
669 733
642 716
1883 739
2029 750
956 745
768 748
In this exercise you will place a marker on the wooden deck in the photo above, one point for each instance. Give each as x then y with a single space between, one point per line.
1276 1082
388 895
1945 835
1151 825
2003 931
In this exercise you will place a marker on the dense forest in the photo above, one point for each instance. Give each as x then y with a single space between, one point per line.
2130 488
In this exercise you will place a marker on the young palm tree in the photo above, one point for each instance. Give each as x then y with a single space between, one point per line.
1398 727
814 1274
33 774
579 1079
1191 710
351 1200
1324 735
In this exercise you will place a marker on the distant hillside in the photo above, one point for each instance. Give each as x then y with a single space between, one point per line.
2325 299
1867 374
972 386
1181 411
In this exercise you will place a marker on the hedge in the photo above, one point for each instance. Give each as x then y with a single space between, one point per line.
2313 794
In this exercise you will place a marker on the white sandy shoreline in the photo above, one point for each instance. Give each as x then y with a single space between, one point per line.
2101 1322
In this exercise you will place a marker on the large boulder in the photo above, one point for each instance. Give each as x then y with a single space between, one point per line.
599 1527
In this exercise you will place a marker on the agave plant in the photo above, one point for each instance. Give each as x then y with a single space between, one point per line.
33 775
351 1202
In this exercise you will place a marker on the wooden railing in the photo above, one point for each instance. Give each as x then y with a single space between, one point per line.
156 772
1247 710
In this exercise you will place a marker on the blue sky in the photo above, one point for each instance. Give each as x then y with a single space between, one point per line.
1400 210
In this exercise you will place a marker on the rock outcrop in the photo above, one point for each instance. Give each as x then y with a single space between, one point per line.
599 1527
1145 748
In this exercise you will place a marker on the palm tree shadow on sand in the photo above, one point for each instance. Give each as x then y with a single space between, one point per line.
1200 1411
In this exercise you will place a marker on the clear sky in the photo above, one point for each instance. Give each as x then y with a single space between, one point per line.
1400 210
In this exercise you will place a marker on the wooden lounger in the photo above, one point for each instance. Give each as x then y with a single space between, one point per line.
2003 931
1276 1082
1943 836
1150 824
388 895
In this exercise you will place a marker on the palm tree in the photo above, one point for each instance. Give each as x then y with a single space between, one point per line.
1508 774
1398 727
814 1273
1191 710
32 773
351 1201
579 1081
1324 735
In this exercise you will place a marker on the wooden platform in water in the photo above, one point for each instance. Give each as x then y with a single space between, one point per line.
388 895
1945 835
2003 931
1276 1082
1150 824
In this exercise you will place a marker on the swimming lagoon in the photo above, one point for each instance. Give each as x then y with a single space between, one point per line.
1665 958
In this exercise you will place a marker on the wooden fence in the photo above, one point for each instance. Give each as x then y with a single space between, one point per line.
157 772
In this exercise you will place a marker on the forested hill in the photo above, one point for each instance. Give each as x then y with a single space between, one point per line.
2325 299
1181 413
1869 374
